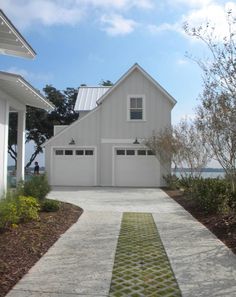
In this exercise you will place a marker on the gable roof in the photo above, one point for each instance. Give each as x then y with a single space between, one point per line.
11 41
87 97
136 66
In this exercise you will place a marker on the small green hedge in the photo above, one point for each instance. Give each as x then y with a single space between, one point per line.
28 209
212 195
18 209
50 205
37 187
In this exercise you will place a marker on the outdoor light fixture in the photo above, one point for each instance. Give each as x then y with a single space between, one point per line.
72 141
136 141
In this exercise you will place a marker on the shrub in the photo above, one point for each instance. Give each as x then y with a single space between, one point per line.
172 181
37 187
50 205
18 209
187 183
212 195
28 208
8 212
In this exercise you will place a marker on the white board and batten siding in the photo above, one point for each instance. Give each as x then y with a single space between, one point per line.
107 129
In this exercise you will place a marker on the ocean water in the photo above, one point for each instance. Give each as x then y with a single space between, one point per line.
210 174
11 178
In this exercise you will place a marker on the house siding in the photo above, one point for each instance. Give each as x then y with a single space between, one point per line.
109 121
114 110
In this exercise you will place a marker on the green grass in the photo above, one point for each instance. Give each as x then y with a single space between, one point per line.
141 265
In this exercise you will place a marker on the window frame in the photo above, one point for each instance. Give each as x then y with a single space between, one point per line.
129 97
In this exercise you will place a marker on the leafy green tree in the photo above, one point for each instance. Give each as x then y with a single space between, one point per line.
106 83
12 140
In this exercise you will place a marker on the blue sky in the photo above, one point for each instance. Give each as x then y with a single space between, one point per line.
85 41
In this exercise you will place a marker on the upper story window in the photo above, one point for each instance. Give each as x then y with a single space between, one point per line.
136 108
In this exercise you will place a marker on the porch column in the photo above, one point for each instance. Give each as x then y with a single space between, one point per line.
4 118
20 171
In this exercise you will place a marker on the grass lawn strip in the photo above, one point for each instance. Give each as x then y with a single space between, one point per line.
141 265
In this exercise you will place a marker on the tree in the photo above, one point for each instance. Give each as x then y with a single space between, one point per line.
39 123
12 137
216 114
182 146
106 83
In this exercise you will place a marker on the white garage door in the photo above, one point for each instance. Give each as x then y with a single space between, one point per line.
136 168
74 167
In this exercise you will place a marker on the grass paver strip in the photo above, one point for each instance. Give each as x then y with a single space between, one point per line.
141 265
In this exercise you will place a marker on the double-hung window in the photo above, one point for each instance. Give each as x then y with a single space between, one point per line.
135 108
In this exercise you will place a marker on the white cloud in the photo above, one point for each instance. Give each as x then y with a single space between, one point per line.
190 3
69 12
118 4
214 14
46 12
117 25
210 12
30 75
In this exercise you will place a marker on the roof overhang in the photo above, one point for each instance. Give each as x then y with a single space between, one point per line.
19 89
11 41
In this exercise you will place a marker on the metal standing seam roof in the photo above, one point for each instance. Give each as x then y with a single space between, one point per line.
87 97
11 41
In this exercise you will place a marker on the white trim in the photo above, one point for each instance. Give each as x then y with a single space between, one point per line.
5 140
21 84
19 37
74 147
116 140
13 103
113 166
152 80
143 108
20 172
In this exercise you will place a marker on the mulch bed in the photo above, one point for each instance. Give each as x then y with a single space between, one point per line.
223 226
23 246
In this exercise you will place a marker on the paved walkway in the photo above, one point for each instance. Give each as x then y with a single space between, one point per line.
80 263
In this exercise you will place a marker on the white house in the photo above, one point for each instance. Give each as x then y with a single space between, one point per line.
15 94
104 147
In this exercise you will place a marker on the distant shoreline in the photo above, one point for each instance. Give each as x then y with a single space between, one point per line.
208 169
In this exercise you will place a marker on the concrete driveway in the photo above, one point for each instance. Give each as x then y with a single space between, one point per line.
81 261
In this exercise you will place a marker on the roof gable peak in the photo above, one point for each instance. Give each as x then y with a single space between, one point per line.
151 79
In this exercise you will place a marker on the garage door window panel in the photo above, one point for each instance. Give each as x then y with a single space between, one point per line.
79 152
130 152
59 152
141 152
88 152
120 152
69 152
